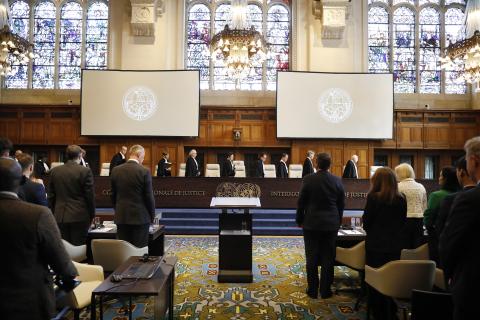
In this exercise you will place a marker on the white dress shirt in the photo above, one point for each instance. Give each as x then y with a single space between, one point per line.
416 197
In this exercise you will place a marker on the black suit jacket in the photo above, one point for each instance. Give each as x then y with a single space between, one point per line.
384 224
71 195
444 210
132 194
117 160
321 202
39 169
349 171
307 167
282 171
191 168
32 192
30 243
227 169
162 169
459 243
259 173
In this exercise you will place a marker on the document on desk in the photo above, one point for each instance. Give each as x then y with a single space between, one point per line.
235 202
102 230
352 232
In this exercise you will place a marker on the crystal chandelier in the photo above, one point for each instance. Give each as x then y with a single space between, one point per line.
14 50
464 55
240 47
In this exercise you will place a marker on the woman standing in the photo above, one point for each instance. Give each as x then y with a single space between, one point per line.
448 184
384 220
416 197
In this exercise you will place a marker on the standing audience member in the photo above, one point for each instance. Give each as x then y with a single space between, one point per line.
351 169
319 213
5 147
118 159
260 168
448 184
282 169
459 241
384 220
416 197
163 166
308 167
228 169
30 191
466 182
31 245
192 169
132 198
72 198
41 168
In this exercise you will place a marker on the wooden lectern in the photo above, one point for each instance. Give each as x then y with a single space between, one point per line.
235 239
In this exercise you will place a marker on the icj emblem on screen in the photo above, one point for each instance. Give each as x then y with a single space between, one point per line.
139 103
335 105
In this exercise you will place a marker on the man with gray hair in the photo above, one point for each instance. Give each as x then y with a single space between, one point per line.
72 198
308 167
459 243
132 198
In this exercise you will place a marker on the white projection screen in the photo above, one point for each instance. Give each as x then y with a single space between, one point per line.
334 105
140 103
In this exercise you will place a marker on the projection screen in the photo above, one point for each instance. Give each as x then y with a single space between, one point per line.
140 103
334 105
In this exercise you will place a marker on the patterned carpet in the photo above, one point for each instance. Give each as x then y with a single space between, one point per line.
278 290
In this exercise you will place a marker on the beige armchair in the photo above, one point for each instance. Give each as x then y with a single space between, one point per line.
295 171
105 169
76 253
354 258
212 170
421 253
91 277
397 279
240 171
111 253
181 170
270 171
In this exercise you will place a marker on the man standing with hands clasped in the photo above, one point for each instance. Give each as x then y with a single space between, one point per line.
132 197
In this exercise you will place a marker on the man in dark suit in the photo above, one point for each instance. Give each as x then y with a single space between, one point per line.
228 169
192 169
132 198
163 166
118 159
72 198
5 147
459 241
351 169
31 245
41 168
282 169
308 167
260 168
319 213
466 182
30 191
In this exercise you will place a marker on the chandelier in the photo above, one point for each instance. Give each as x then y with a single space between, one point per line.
241 48
464 55
14 50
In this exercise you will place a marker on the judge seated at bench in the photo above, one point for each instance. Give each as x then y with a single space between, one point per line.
351 169
192 168
260 169
282 169
228 168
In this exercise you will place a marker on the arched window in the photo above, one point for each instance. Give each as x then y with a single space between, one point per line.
61 46
407 37
272 18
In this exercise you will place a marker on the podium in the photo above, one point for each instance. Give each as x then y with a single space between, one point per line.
235 238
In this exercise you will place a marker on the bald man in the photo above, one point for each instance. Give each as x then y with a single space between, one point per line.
31 243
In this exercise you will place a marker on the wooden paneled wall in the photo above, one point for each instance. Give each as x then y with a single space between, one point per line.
414 131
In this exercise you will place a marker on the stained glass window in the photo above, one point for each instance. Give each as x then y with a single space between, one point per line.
408 40
20 21
44 37
62 54
269 17
404 67
378 40
70 56
429 55
96 36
